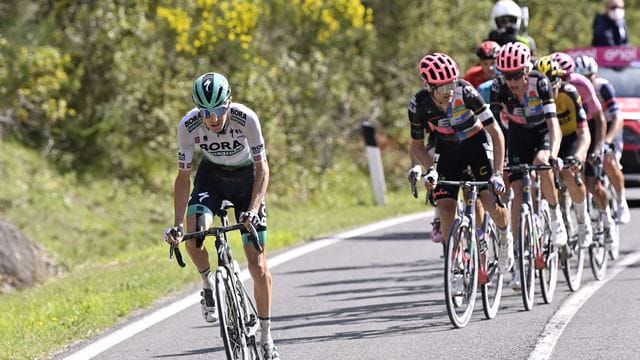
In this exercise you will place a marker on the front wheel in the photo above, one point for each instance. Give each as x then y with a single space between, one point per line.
460 274
571 255
548 254
527 256
230 317
488 256
598 251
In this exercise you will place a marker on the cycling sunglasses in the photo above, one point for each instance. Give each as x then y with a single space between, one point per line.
217 111
444 88
511 76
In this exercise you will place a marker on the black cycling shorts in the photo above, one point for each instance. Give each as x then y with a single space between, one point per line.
213 184
453 158
524 144
568 146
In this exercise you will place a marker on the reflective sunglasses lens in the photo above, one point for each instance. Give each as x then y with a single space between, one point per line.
445 88
218 111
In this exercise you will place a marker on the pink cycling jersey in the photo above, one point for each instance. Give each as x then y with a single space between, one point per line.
587 92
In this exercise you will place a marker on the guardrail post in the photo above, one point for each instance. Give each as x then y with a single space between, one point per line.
375 162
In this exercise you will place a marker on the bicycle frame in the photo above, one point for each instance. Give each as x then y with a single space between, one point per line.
462 260
533 226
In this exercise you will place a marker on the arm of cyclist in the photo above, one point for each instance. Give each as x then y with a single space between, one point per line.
258 194
173 235
601 130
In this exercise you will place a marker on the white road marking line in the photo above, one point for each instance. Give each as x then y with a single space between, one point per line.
135 327
560 320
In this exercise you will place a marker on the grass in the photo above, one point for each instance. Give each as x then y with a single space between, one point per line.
106 234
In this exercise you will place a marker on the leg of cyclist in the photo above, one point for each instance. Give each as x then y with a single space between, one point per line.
550 193
578 197
257 262
612 169
574 148
200 257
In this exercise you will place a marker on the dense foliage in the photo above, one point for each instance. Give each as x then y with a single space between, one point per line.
99 86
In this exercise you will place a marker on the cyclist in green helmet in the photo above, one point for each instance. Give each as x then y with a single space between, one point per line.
234 168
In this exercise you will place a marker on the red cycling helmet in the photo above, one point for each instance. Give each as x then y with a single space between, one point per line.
513 56
438 69
488 50
566 62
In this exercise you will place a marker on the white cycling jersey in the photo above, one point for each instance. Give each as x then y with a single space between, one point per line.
238 144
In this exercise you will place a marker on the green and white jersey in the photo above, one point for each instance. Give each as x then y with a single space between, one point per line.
238 145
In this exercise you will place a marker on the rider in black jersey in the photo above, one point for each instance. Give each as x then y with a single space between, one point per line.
465 134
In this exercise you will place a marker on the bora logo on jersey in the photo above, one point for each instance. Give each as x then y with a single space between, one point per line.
223 148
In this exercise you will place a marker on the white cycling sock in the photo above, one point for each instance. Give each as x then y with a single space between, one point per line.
608 220
265 327
555 212
206 283
581 212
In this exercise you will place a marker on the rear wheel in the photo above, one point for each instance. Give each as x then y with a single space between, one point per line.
488 256
548 253
526 256
460 274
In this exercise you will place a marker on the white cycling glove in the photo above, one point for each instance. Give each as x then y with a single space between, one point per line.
498 183
431 178
415 172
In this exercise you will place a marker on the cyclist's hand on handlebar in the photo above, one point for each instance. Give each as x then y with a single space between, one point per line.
431 178
173 235
414 173
250 217
498 183
595 157
556 163
573 163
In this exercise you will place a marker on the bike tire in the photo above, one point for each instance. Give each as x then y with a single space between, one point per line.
526 256
572 255
598 259
461 264
613 205
548 274
249 315
230 317
492 290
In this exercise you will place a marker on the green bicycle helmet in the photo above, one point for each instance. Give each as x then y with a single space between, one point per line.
210 90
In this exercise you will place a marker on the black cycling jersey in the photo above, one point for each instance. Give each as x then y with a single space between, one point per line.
458 133
538 104
466 115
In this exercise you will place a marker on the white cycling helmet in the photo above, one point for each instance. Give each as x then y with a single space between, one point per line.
506 8
586 65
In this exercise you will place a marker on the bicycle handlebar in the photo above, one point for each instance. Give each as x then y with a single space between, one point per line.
526 167
214 231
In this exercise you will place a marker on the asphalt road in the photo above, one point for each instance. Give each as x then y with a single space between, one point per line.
380 296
